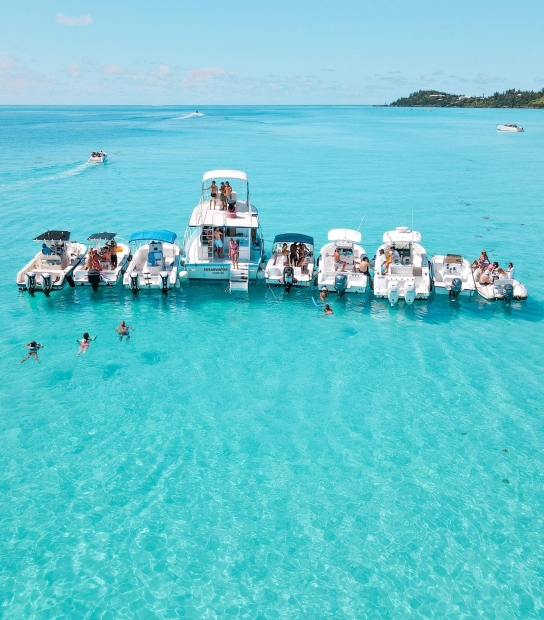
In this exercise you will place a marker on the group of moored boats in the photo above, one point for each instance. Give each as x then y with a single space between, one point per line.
224 241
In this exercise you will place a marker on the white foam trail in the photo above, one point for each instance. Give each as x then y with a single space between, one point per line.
52 177
190 115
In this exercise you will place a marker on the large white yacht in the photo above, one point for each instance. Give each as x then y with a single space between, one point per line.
292 261
342 276
155 261
451 274
106 261
402 268
52 268
214 223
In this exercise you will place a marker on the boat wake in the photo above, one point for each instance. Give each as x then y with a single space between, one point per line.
51 177
189 115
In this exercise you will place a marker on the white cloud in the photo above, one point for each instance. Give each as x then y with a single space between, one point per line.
198 76
72 20
74 69
114 70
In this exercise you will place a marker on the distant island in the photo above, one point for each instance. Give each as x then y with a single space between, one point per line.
509 99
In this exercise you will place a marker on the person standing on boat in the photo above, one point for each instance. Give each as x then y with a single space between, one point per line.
510 271
223 196
365 268
379 261
218 242
32 347
293 252
234 252
113 254
213 193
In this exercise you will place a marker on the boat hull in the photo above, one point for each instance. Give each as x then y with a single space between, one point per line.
217 271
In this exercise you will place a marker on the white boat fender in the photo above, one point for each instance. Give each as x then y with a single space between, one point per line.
393 292
183 275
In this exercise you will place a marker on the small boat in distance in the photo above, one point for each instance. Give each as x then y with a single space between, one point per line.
105 264
509 128
451 274
287 268
52 268
98 157
407 273
155 262
343 275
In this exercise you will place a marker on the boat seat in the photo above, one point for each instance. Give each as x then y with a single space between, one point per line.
155 259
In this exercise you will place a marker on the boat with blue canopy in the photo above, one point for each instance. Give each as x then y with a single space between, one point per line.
155 261
292 262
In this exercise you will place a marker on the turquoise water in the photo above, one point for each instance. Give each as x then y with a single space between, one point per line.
241 456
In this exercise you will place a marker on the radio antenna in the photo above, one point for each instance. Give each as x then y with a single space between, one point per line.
361 222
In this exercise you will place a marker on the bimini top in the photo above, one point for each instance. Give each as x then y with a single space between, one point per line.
224 174
103 236
292 237
54 235
344 234
153 235
401 234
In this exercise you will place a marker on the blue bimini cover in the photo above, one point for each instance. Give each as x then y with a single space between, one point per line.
293 237
153 235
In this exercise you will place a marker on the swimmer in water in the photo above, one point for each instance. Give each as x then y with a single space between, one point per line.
122 330
323 294
32 347
84 343
327 311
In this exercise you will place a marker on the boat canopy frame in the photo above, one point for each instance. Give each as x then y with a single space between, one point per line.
102 236
292 238
54 235
166 236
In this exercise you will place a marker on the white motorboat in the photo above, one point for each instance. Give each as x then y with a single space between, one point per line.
342 276
155 261
501 288
98 157
509 128
52 268
292 261
404 272
105 264
452 274
214 223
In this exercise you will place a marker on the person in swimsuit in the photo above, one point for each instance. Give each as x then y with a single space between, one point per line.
94 261
223 192
482 262
218 242
285 254
365 268
228 190
323 294
113 254
326 311
338 261
388 259
293 252
32 347
122 330
213 193
84 343
234 252
301 254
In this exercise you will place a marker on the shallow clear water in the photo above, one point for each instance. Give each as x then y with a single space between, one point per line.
241 456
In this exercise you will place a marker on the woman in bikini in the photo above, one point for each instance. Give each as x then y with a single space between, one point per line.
234 252
84 343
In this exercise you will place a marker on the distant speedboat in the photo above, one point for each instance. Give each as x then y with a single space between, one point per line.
52 268
98 157
509 128
284 268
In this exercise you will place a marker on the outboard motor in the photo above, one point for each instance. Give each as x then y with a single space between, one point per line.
393 292
47 283
70 281
456 286
288 277
31 282
164 281
409 292
94 278
134 282
508 293
340 283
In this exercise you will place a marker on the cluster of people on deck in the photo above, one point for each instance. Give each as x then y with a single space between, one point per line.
224 192
339 261
219 244
96 154
486 272
295 254
107 253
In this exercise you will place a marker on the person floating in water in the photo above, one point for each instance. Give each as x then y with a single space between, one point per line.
32 347
323 294
122 330
327 310
84 343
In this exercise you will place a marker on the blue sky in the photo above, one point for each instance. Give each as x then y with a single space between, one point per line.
238 52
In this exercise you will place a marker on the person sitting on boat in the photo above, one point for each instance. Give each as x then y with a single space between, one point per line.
484 261
223 195
93 261
301 254
338 261
213 193
46 250
486 277
364 267
285 254
218 241
502 274
510 271
388 261
234 252
395 256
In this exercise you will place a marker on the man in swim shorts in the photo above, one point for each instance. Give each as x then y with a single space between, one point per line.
218 242
122 330
32 347
338 261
